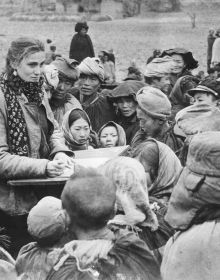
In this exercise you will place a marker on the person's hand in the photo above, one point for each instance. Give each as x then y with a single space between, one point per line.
65 158
55 168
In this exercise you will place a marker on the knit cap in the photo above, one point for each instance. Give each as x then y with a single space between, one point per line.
154 102
46 220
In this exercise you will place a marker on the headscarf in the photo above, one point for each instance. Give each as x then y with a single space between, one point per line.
92 66
120 131
13 86
159 67
188 58
66 67
128 175
169 169
72 143
47 221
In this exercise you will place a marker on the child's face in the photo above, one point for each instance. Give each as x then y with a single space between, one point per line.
109 137
202 97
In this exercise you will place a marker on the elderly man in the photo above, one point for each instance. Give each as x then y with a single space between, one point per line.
153 112
89 200
157 73
61 98
96 105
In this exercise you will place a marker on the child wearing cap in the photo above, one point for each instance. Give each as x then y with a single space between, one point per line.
47 224
207 91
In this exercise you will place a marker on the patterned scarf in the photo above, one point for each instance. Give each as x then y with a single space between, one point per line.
12 87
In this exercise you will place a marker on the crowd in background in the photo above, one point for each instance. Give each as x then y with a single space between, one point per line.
150 213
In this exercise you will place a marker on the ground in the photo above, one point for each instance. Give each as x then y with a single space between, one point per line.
132 39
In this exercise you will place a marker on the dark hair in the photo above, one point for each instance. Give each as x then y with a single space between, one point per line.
89 198
78 114
19 49
149 80
80 25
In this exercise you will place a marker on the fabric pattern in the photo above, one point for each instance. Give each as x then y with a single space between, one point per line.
12 87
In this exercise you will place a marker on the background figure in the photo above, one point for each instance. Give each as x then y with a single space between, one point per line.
156 53
81 45
109 67
61 98
216 50
184 62
134 74
124 98
210 42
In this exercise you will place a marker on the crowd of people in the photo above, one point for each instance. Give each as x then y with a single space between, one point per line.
151 213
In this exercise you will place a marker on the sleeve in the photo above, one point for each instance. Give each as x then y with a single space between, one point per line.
15 166
69 271
92 53
73 47
132 254
57 142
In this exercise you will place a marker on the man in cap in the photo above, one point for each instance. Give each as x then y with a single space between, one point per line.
207 91
89 200
153 112
157 73
96 105
61 98
194 210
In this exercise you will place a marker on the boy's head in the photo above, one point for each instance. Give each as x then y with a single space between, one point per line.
47 221
208 92
89 199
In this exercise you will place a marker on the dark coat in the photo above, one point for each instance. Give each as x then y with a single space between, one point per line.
81 47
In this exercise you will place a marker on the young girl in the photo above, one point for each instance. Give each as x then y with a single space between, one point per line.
111 134
77 131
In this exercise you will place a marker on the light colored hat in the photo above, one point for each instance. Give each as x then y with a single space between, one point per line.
47 219
67 67
92 66
154 102
159 67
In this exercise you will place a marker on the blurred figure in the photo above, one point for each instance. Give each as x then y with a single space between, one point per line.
134 74
214 72
109 67
184 62
210 41
81 45
193 252
156 53
216 50
157 73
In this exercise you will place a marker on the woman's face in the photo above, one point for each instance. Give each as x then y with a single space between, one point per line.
31 67
127 106
88 84
109 137
80 130
179 64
